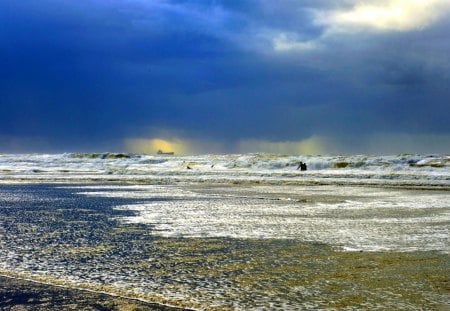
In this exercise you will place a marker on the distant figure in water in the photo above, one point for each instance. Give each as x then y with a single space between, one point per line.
302 166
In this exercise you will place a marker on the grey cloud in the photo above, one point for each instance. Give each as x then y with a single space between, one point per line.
94 73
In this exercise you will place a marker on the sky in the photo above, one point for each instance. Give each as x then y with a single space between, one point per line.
211 76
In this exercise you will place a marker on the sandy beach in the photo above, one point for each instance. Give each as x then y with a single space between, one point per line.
19 294
101 237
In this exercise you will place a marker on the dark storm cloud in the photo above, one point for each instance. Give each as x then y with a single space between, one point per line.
71 71
89 74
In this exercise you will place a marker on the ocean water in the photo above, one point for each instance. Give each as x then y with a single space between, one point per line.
400 170
240 232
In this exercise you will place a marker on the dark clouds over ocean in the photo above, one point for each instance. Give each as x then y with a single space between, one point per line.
225 76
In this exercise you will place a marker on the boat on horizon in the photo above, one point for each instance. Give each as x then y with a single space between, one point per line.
160 152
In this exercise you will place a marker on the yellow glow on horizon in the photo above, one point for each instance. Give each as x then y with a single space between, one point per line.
151 146
313 146
387 143
400 15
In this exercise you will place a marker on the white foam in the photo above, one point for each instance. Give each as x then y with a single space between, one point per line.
402 170
373 219
366 218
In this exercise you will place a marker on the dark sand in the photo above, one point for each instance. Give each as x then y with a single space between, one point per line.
16 294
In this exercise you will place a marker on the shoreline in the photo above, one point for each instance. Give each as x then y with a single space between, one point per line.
30 294
72 248
369 272
382 184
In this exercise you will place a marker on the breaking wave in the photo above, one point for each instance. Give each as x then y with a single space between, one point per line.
399 170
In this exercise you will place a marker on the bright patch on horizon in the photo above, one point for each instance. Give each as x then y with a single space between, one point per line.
152 146
311 146
399 15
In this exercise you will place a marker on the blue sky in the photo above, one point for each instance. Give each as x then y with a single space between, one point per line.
293 76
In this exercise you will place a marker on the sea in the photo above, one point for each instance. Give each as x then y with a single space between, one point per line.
232 232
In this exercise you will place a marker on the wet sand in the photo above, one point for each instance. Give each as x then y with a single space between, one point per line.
17 294
54 235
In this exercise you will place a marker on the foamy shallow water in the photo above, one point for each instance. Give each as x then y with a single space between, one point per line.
351 218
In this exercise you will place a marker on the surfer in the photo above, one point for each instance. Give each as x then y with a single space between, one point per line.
302 166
